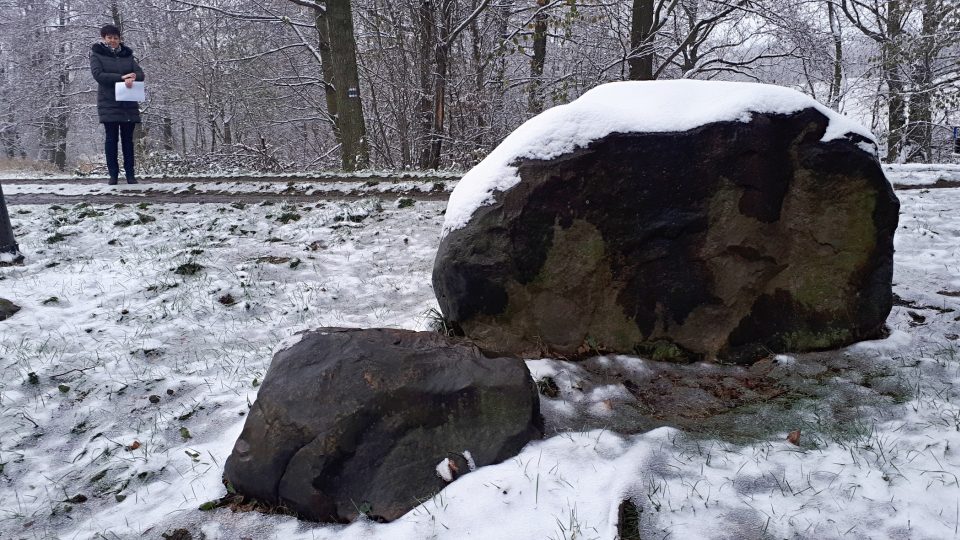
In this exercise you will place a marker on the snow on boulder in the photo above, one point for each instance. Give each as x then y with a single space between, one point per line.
355 421
681 220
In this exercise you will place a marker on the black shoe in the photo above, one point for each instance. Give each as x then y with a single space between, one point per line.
112 182
131 181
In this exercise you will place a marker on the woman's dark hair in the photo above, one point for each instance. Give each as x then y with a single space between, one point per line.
109 30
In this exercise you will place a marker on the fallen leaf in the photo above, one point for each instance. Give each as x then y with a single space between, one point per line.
794 437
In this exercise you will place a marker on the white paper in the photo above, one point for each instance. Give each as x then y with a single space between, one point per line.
123 93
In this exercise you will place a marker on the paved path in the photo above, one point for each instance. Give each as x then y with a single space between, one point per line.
360 178
346 187
225 197
354 187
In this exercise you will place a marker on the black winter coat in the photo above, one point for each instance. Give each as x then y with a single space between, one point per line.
108 68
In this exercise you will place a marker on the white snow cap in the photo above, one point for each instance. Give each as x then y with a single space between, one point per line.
445 471
628 107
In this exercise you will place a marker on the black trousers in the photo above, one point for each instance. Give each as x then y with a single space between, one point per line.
121 132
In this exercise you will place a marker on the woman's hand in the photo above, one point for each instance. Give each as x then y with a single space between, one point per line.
128 79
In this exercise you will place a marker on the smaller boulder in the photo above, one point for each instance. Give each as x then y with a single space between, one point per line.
7 309
356 421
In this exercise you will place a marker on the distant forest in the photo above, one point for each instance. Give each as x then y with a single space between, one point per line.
280 85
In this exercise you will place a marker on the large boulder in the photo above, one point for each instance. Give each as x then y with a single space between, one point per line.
682 220
352 421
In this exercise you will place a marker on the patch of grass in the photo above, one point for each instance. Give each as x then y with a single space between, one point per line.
287 217
628 521
142 219
662 351
352 218
161 287
274 259
188 269
27 165
56 237
438 323
548 387
89 213
405 202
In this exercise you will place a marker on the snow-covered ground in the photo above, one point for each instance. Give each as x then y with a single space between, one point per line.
145 331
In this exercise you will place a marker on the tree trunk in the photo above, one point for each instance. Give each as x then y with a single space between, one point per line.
355 149
479 78
539 57
896 107
115 15
214 129
326 68
836 84
920 132
56 128
227 132
428 42
641 41
439 107
167 133
60 137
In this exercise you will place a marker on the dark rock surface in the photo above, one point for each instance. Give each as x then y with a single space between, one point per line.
7 309
352 421
728 241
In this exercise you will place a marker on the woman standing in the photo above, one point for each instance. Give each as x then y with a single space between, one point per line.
111 62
